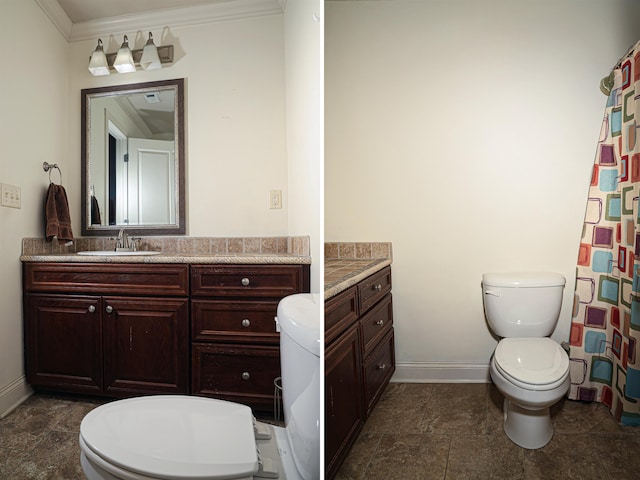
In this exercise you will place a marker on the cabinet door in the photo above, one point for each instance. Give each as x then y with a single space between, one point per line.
343 398
146 345
63 342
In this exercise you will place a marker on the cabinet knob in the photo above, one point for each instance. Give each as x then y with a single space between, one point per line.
380 323
245 281
109 309
246 322
378 288
382 366
246 376
92 308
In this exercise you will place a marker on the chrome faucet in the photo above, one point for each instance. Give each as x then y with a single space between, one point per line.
122 242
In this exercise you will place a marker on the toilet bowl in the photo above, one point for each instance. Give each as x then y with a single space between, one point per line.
533 378
528 368
176 437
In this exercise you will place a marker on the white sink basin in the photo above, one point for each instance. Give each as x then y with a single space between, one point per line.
113 253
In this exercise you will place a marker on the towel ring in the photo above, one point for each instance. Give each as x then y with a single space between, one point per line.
47 167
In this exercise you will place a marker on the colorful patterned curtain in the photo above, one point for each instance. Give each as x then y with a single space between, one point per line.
605 329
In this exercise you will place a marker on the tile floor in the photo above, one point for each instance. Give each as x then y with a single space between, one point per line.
417 431
454 431
39 439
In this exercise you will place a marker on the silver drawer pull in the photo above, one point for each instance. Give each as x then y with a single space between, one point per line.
245 281
382 366
378 288
246 376
92 308
380 323
109 309
246 322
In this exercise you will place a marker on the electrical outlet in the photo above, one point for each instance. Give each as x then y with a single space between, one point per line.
10 196
275 199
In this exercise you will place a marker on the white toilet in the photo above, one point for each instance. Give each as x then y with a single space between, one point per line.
527 367
187 437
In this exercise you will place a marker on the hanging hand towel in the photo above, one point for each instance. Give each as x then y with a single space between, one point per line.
56 210
95 212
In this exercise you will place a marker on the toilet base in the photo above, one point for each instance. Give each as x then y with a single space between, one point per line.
530 429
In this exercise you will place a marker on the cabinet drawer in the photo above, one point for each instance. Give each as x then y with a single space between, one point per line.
103 278
248 280
339 313
243 374
376 323
373 288
378 369
234 321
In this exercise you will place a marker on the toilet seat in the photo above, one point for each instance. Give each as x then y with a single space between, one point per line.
532 363
171 436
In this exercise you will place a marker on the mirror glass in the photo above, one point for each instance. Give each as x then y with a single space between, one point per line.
133 159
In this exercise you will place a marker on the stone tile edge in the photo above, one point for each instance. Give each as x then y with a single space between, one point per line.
357 250
275 245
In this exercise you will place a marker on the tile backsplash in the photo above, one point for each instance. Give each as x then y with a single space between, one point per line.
357 250
178 245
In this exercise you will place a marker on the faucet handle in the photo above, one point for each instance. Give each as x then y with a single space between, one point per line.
134 243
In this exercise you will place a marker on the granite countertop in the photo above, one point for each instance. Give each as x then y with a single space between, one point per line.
340 274
190 258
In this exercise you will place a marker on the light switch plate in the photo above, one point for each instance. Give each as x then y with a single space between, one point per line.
10 196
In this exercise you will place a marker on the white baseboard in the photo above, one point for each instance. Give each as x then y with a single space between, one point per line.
13 395
441 372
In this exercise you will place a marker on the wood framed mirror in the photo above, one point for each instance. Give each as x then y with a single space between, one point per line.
133 163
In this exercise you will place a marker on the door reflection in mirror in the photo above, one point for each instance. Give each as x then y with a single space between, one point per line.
132 163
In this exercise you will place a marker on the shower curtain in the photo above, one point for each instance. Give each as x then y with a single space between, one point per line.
605 329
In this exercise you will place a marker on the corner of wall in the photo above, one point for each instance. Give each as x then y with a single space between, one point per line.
13 395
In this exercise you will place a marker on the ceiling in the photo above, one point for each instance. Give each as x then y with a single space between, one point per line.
84 10
79 20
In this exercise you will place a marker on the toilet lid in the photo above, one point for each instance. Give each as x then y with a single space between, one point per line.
174 436
535 361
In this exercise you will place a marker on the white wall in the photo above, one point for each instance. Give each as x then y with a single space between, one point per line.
464 132
304 139
33 129
236 135
235 120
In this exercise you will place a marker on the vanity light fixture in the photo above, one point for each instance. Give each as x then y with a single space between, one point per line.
98 64
126 60
150 59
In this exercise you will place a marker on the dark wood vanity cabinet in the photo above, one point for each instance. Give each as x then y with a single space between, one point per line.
107 329
359 361
235 349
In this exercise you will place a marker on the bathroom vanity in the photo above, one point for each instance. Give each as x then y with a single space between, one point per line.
127 326
359 349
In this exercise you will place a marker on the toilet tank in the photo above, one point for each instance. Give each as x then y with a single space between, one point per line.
522 304
299 319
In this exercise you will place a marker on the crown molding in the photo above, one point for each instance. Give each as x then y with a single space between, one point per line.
57 15
180 17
